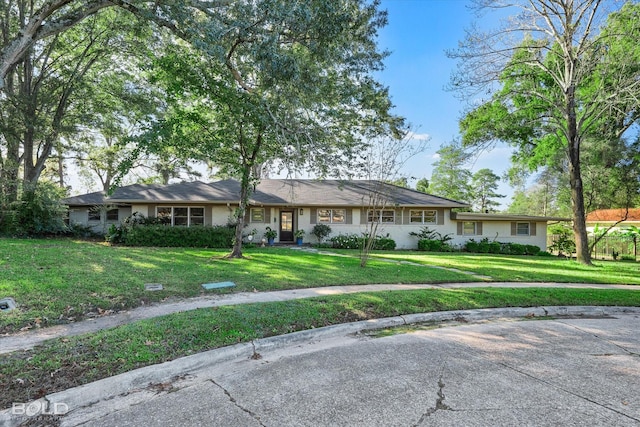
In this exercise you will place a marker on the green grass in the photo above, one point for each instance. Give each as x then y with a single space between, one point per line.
505 268
68 362
58 281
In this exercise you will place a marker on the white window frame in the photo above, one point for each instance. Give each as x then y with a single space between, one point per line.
252 216
423 215
332 215
518 233
378 215
475 228
189 215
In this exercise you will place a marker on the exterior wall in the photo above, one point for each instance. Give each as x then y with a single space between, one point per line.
80 215
305 219
141 209
218 215
501 231
398 231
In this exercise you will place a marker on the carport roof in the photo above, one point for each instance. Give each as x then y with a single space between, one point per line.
473 216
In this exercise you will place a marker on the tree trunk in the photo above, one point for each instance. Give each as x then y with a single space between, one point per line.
577 201
236 252
60 171
583 255
10 172
248 165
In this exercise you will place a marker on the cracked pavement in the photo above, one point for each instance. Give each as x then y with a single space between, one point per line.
568 371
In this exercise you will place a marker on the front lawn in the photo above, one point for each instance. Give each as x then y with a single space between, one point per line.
58 281
506 268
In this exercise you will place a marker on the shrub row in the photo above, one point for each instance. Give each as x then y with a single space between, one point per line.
354 241
138 230
486 247
216 236
433 245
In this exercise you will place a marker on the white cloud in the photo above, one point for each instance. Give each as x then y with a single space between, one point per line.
418 136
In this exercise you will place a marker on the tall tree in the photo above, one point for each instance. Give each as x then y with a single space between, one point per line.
296 88
544 198
400 182
422 185
450 177
568 80
25 23
40 92
484 184
118 104
610 173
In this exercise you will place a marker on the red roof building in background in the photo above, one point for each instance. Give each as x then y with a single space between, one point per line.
614 215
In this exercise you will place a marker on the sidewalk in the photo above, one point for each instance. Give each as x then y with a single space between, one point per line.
29 339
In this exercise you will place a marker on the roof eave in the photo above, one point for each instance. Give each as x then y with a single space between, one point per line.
501 217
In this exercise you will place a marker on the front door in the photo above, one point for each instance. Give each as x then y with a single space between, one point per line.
286 226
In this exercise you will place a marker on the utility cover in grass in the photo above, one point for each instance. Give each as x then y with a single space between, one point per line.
7 304
218 285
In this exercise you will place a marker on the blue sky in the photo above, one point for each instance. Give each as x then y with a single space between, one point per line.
417 71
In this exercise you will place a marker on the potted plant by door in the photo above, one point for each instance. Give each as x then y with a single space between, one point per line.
299 234
270 235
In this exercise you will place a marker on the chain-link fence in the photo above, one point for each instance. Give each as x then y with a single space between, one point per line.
609 247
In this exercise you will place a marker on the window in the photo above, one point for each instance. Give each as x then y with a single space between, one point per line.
423 217
384 216
94 214
164 214
332 216
196 216
522 229
180 216
112 215
257 215
469 228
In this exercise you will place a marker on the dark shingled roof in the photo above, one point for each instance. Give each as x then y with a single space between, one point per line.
196 191
90 199
308 192
299 192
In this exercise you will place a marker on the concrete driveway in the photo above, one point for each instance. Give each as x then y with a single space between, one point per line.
569 371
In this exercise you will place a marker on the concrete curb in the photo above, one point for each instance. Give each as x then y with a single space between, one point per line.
139 379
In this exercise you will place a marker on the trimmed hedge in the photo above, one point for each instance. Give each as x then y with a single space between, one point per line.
431 245
486 247
217 236
138 230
